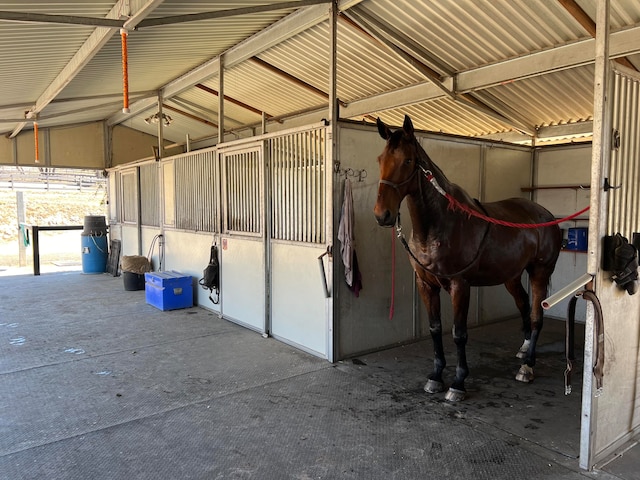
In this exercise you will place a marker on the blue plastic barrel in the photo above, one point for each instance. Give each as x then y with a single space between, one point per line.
95 252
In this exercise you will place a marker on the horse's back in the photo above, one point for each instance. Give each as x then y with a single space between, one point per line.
518 247
518 210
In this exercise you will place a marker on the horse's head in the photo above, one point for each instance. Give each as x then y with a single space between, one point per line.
398 170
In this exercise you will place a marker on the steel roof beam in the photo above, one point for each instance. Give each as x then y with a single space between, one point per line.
396 43
624 42
231 12
280 31
28 17
98 38
589 25
232 100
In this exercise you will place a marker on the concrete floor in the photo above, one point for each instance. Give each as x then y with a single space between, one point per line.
96 384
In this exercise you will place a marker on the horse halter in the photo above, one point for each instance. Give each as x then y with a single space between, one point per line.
419 166
397 186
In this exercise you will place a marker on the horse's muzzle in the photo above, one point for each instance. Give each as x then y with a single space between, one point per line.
385 218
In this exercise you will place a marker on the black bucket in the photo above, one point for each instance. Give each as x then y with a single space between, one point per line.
95 225
133 281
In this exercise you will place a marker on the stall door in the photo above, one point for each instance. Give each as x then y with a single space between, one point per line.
242 255
299 309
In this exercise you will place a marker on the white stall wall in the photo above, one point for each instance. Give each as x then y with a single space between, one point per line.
565 169
364 322
506 171
188 253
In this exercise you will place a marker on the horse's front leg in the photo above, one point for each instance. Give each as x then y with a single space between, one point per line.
460 295
430 294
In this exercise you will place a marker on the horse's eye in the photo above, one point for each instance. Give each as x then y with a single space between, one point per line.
408 161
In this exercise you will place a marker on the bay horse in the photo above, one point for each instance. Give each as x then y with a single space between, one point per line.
452 250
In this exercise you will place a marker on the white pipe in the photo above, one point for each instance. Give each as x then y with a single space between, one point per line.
566 291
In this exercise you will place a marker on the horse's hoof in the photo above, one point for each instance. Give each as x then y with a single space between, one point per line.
524 348
433 386
525 374
455 395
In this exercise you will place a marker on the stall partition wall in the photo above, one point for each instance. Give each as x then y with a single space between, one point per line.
613 418
264 203
562 185
134 216
382 315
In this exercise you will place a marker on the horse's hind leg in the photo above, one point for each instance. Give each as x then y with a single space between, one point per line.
431 297
519 294
539 282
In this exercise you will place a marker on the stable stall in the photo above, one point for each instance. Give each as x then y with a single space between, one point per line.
279 206
274 204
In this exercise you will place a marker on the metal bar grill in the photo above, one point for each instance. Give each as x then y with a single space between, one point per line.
298 186
129 195
149 195
243 189
196 178
623 216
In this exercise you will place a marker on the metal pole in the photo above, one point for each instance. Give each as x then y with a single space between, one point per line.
221 99
22 248
160 127
36 250
332 211
597 220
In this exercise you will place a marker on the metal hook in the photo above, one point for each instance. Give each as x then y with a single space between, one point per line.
608 186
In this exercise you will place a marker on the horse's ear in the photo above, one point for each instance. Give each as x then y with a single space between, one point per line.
383 130
407 126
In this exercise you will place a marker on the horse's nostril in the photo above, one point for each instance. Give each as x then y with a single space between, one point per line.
384 219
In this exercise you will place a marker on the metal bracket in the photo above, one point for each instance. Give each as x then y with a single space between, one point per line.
608 186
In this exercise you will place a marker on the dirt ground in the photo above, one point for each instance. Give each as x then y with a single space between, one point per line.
47 208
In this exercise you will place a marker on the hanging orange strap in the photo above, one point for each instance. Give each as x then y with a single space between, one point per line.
35 136
125 72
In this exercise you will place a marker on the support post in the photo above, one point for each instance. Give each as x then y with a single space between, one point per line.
600 154
221 99
36 249
332 209
22 248
160 127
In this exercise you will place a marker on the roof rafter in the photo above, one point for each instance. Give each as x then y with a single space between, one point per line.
397 44
231 12
622 43
590 26
291 25
85 53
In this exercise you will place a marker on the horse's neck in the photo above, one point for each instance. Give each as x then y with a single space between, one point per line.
428 209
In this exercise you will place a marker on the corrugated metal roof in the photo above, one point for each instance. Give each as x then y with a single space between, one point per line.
525 63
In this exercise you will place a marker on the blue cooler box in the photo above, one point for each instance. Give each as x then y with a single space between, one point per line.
168 290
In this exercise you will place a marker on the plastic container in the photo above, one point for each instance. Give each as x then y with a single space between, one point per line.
133 281
95 225
168 290
577 239
94 253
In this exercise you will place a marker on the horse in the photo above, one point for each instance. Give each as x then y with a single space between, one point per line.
453 250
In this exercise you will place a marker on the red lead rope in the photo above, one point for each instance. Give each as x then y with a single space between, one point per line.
393 274
456 205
